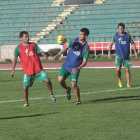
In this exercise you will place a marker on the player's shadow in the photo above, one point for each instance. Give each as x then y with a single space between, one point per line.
136 85
8 80
28 116
115 99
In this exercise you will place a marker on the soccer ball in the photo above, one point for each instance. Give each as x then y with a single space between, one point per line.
61 39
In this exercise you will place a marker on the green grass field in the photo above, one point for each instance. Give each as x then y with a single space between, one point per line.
106 113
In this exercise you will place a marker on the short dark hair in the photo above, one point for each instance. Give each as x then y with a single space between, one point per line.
85 30
121 24
22 33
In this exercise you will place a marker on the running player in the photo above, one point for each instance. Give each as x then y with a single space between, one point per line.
122 42
32 68
76 59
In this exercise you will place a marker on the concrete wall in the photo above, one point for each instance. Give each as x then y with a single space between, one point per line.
7 51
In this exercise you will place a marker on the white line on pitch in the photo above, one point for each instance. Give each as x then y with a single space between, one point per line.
94 92
55 68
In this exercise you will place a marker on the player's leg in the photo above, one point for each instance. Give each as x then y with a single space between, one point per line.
77 92
43 77
74 80
25 94
127 65
63 74
118 73
61 80
118 63
127 70
27 82
49 85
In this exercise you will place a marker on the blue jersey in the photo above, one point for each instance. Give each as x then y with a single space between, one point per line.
75 55
122 45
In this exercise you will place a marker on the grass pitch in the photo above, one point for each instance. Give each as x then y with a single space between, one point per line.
106 113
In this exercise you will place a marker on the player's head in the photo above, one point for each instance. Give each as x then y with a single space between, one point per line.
84 32
121 27
24 36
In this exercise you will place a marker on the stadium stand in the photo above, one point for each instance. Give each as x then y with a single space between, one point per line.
102 20
35 17
46 19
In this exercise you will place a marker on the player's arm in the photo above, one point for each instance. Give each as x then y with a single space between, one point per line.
41 51
44 55
110 46
135 51
83 64
133 45
13 67
16 54
85 60
63 50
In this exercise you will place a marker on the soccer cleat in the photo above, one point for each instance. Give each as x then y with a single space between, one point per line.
128 85
68 93
26 105
52 97
78 102
120 84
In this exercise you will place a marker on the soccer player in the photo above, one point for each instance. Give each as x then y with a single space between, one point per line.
76 59
32 68
122 42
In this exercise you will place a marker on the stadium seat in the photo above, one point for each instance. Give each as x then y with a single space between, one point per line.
101 20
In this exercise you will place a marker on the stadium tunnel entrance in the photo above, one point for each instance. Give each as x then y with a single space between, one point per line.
73 2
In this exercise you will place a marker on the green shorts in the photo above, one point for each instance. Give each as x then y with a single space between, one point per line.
28 80
125 62
73 76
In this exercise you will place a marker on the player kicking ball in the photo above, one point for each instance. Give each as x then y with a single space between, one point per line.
76 59
122 42
32 68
